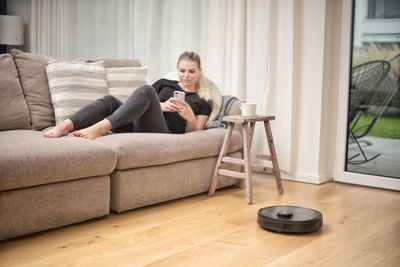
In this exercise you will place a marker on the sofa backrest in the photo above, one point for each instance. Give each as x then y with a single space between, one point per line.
25 99
117 63
14 112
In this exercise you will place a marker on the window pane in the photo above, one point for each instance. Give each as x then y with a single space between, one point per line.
383 9
374 103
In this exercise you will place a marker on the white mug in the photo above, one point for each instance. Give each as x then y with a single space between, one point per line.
248 109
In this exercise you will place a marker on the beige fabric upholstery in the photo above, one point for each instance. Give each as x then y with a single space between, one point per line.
150 149
235 109
117 63
140 187
39 208
32 74
13 109
29 159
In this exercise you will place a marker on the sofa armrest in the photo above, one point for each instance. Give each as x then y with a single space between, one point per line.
235 108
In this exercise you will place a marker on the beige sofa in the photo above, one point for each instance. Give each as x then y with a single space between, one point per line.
49 183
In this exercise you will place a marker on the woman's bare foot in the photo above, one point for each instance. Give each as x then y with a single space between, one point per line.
62 129
96 130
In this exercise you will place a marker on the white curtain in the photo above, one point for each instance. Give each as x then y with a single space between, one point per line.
82 29
246 45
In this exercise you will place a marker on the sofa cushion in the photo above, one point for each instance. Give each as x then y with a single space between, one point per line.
150 149
28 159
13 109
32 74
73 85
122 82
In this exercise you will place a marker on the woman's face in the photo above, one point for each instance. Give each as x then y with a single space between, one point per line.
189 73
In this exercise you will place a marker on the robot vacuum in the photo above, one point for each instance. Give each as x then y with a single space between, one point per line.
289 219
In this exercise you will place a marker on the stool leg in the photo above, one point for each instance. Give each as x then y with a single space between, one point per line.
247 162
251 133
270 141
224 149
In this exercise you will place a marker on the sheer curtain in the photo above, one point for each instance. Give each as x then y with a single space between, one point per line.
82 29
269 70
246 46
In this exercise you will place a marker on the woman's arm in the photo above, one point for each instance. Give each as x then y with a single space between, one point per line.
197 124
193 122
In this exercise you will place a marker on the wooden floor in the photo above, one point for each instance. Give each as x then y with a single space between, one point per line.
361 228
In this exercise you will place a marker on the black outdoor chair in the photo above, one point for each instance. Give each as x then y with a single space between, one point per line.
366 79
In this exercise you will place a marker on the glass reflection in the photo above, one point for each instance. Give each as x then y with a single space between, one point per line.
374 103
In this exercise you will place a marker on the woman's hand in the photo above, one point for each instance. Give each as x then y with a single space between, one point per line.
183 108
178 105
170 105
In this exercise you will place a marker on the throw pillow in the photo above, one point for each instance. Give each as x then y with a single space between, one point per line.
32 74
122 82
73 85
14 112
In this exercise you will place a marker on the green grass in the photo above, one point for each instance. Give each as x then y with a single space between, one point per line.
385 127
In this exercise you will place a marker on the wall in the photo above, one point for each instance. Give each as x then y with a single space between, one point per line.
330 85
316 49
21 8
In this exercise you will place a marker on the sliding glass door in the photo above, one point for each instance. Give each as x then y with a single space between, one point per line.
372 100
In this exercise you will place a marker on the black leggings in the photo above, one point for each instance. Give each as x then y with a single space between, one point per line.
140 113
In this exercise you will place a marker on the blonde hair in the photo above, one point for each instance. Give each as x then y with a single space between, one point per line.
202 86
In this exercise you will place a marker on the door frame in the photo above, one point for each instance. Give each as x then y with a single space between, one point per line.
340 175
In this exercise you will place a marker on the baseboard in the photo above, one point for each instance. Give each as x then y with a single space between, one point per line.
306 177
284 166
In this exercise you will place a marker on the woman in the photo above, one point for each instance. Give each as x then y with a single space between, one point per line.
148 109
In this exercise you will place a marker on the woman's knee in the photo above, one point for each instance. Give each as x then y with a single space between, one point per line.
110 101
108 98
145 91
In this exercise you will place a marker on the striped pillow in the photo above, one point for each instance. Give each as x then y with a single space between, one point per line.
123 81
73 85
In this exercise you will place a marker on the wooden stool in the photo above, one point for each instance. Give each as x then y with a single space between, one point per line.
248 124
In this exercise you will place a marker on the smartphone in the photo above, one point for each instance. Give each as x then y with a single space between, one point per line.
179 95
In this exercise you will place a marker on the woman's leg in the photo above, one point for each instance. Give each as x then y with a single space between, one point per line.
95 112
142 110
87 116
